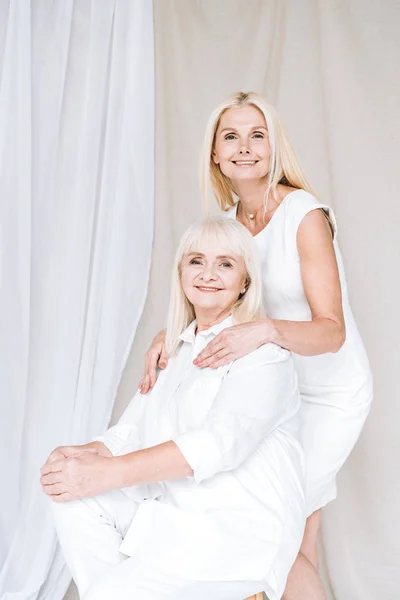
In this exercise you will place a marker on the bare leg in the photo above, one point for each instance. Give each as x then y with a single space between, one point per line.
304 582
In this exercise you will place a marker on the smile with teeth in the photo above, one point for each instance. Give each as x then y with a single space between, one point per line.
245 162
208 289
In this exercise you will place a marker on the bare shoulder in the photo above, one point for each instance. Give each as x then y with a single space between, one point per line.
315 230
309 216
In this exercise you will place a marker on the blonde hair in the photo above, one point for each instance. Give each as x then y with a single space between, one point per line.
284 166
236 239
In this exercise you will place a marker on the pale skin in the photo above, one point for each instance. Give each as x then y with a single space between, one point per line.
212 280
242 151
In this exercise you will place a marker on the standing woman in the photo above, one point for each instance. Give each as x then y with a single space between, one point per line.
257 180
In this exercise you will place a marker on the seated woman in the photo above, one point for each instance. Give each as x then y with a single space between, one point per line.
197 492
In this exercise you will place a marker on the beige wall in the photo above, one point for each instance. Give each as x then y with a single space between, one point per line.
331 68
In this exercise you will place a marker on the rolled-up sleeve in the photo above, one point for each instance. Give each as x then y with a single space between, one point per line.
125 435
257 394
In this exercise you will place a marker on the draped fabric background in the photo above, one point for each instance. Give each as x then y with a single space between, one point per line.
331 68
76 172
76 228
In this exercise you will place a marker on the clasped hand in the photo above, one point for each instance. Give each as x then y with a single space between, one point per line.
74 472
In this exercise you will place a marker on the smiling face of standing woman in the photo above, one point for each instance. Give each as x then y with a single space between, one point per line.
212 280
241 147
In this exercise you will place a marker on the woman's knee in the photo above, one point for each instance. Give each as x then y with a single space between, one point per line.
66 511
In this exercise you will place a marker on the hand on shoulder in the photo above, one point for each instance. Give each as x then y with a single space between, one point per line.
235 342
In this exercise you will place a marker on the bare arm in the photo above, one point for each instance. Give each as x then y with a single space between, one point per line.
320 277
163 462
89 473
252 400
156 356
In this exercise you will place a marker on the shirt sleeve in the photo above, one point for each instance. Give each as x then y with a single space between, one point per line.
124 436
259 392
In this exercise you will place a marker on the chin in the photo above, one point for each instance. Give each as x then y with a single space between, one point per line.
202 305
248 175
245 174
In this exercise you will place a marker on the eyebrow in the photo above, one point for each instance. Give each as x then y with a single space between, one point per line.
218 257
252 129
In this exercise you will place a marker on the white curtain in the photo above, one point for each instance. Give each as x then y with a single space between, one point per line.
332 70
76 230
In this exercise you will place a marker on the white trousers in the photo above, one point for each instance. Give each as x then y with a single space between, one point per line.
91 531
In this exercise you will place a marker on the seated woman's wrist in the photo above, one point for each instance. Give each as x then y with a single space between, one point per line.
111 444
114 473
123 471
100 448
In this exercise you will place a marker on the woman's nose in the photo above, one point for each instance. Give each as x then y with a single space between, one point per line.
244 149
208 273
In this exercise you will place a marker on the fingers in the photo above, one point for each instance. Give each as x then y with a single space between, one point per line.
155 357
144 384
152 361
209 352
153 373
49 479
52 480
50 467
223 361
149 377
223 357
52 484
163 362
65 497
54 489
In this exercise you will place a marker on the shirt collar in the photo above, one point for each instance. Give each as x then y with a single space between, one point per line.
189 335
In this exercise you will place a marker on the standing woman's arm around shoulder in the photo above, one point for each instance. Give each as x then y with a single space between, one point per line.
320 277
325 332
259 392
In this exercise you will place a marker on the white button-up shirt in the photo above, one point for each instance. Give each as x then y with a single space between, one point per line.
241 515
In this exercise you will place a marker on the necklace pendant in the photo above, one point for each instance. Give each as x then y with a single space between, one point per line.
251 216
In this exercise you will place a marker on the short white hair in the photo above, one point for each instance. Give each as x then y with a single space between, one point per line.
236 239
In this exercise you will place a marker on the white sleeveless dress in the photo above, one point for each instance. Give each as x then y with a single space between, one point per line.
336 388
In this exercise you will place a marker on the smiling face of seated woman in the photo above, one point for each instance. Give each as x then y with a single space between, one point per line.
216 273
213 278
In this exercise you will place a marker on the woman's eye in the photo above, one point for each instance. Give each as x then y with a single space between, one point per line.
229 137
195 261
258 135
226 265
